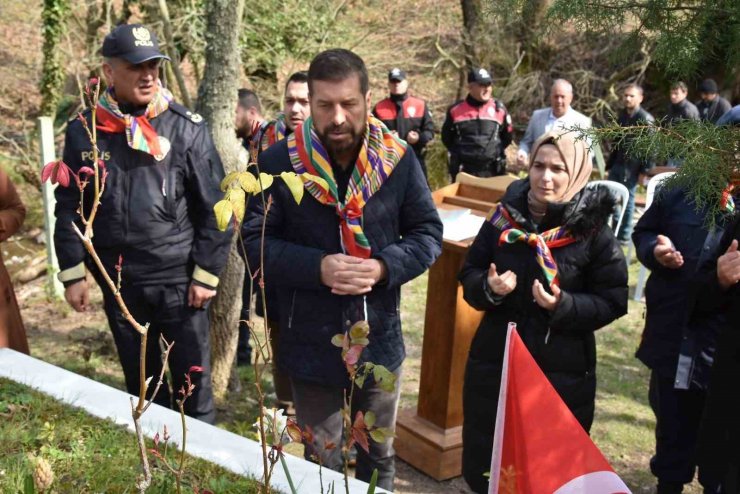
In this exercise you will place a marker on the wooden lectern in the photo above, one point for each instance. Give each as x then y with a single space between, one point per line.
430 437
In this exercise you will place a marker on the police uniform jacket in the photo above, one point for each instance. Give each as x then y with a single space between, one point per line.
477 133
404 113
157 215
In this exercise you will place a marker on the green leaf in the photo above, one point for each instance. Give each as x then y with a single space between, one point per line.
223 210
378 435
369 419
361 341
373 482
28 487
265 180
360 329
238 200
295 184
385 378
338 340
360 379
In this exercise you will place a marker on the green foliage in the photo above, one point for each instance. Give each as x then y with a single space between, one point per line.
709 155
683 35
281 30
53 19
86 454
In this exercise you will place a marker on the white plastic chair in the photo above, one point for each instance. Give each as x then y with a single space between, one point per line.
620 192
651 189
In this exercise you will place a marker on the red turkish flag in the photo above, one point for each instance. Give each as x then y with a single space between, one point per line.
539 446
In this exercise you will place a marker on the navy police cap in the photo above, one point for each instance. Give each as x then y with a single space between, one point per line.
132 42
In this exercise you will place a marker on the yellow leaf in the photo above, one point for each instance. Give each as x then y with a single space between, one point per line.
223 210
265 180
228 180
316 179
248 183
295 184
238 200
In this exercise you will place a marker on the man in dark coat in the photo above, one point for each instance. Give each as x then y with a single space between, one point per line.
477 130
679 339
341 254
712 106
155 223
593 292
623 167
406 115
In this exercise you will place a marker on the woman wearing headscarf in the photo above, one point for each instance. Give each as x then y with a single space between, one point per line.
547 260
12 214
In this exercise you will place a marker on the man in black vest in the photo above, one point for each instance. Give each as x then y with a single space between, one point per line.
407 116
477 130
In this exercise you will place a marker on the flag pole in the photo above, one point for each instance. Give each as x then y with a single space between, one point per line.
498 435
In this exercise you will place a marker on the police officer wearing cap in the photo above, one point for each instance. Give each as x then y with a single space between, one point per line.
155 222
407 116
477 130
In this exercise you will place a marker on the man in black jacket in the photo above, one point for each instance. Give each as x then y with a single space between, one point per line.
679 109
407 116
679 339
477 130
341 254
155 224
712 106
624 168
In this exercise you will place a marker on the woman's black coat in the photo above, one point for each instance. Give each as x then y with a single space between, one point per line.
593 279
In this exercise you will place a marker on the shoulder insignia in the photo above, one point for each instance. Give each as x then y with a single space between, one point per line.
183 111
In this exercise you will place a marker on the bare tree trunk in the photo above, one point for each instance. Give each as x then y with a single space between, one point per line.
216 102
533 13
174 54
471 13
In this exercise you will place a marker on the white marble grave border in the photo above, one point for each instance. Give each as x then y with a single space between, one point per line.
231 451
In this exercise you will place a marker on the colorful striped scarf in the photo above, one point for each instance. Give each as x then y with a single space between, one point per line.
274 132
254 141
140 134
381 151
727 202
542 243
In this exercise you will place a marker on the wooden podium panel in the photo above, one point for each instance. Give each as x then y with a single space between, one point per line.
430 438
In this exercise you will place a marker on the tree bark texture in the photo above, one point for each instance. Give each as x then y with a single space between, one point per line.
54 17
471 12
216 103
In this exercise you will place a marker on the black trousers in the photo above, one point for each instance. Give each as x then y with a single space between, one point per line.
165 308
678 415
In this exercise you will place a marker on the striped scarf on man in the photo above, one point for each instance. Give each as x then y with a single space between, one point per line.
380 153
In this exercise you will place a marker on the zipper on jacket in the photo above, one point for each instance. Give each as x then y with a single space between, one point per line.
547 336
290 315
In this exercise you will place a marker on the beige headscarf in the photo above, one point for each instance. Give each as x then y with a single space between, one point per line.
577 159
